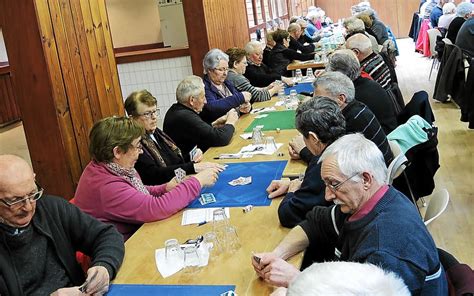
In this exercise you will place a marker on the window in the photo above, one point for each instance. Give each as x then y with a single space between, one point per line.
266 15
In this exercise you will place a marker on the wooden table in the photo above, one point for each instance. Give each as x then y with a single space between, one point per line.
305 65
293 168
259 231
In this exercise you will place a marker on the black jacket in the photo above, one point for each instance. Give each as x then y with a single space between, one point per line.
281 57
260 76
152 172
450 79
68 230
297 45
187 129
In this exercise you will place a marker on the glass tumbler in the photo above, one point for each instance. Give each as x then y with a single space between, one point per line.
270 143
191 259
172 250
214 247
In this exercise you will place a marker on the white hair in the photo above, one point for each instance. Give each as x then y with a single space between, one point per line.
355 154
449 8
463 9
347 278
252 47
212 58
353 24
335 84
191 86
344 61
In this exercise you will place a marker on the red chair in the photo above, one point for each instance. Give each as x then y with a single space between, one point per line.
83 260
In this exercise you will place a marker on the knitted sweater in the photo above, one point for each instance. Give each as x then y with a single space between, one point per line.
392 236
359 119
112 199
243 84
375 66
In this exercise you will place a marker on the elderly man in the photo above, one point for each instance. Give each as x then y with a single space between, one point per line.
465 38
367 91
370 222
355 25
184 125
295 33
259 74
40 237
437 12
320 123
463 12
370 62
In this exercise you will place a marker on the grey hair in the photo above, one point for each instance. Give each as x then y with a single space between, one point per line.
212 58
191 86
322 116
359 279
353 24
449 8
463 9
252 47
293 27
336 83
346 62
359 41
355 155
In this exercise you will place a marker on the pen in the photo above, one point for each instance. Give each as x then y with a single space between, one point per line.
202 223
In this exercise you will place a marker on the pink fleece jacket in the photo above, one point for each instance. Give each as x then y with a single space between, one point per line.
112 199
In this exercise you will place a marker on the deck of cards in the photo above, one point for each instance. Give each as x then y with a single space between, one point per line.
207 198
241 181
180 174
192 153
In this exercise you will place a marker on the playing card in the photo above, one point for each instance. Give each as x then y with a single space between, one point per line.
241 181
207 198
261 116
192 153
180 174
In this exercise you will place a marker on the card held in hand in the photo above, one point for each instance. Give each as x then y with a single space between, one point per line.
180 174
192 153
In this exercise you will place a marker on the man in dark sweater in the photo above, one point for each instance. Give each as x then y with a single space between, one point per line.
320 123
39 239
184 125
295 33
367 91
370 222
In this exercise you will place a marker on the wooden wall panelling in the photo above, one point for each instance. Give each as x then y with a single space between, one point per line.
226 23
405 9
9 111
197 33
34 91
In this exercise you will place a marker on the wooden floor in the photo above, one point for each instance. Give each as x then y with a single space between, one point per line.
454 230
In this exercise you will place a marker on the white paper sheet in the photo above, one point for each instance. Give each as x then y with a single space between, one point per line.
196 216
255 149
170 267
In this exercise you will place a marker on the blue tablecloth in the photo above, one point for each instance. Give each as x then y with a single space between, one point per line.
300 87
242 195
167 290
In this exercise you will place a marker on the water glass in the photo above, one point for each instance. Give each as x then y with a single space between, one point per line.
214 246
298 75
270 143
257 136
172 249
219 220
281 94
309 73
191 259
232 241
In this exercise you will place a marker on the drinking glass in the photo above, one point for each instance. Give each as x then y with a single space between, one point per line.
214 247
298 75
309 73
191 259
231 239
257 136
172 250
270 143
281 94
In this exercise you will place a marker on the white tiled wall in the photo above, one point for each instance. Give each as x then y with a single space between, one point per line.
160 77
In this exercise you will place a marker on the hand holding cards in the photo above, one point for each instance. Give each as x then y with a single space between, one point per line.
180 174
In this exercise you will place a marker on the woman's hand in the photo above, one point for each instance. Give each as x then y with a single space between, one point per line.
207 177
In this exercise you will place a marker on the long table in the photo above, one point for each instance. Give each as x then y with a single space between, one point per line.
259 231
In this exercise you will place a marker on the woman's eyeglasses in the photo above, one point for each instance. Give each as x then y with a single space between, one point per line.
150 114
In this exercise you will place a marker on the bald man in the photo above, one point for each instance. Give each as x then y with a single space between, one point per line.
39 237
370 62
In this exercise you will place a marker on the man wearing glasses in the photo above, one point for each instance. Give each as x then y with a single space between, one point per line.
370 222
39 239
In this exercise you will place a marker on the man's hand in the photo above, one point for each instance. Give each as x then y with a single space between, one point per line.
288 81
247 96
278 188
71 291
220 121
199 167
297 143
232 117
274 270
294 185
198 156
293 154
97 281
245 107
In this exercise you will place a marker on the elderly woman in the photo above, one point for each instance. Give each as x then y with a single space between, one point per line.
160 155
237 66
463 12
258 72
282 56
373 25
320 121
111 190
184 125
449 13
221 95
354 25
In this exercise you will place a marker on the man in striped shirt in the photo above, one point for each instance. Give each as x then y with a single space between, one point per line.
370 62
359 118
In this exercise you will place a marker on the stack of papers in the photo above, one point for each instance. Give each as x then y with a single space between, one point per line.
196 216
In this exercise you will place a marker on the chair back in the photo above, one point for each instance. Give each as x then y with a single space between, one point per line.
447 41
432 34
436 206
398 164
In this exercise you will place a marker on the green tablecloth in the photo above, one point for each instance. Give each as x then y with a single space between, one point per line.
277 119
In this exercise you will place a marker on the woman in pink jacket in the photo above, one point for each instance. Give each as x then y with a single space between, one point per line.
111 190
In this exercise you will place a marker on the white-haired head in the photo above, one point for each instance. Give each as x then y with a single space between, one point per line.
347 278
355 155
464 9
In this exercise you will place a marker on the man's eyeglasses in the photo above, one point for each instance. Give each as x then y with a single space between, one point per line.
150 114
335 187
222 70
139 146
20 200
